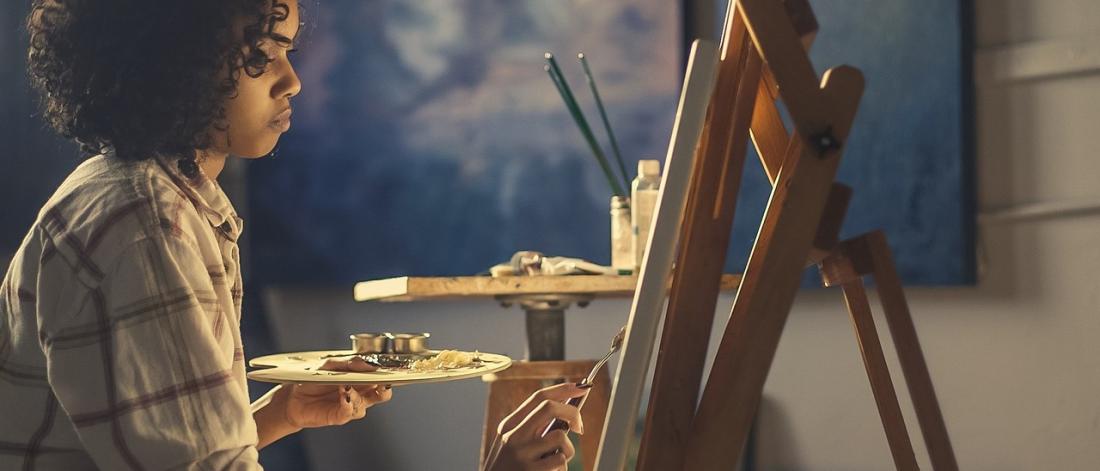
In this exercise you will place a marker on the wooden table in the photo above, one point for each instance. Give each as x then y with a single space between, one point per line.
544 299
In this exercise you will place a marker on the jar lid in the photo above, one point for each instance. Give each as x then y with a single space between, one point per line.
649 168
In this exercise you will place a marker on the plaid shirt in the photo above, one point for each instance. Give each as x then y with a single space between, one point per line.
120 343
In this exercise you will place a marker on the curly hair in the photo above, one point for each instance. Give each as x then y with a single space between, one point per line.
145 77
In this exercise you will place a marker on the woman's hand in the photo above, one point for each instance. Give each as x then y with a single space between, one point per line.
523 446
286 409
308 406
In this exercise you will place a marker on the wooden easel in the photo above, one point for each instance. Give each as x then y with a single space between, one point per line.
764 59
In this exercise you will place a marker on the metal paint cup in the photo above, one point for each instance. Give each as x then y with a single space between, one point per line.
371 342
410 343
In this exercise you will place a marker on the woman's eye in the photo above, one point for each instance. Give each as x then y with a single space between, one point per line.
258 60
291 50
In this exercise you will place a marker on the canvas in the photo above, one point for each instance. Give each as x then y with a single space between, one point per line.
649 298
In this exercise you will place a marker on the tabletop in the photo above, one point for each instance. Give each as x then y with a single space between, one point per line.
410 288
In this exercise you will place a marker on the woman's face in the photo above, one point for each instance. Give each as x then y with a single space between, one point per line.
260 112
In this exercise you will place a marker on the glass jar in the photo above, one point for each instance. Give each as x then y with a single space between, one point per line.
622 237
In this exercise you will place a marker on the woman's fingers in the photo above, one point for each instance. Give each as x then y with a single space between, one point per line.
356 400
375 393
536 422
354 404
558 393
555 462
360 398
550 452
558 442
524 445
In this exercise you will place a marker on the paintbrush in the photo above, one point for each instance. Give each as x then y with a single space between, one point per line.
578 402
603 116
575 111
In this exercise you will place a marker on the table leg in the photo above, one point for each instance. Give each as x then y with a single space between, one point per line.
545 316
545 334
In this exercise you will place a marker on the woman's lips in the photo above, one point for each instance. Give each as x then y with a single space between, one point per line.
281 122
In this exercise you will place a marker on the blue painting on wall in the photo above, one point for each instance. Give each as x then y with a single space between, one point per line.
428 140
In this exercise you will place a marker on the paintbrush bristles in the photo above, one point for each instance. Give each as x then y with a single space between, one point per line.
603 117
575 111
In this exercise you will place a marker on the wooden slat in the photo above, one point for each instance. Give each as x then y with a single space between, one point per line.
771 279
725 199
832 218
769 135
832 277
407 288
877 372
704 237
803 19
805 24
771 140
855 251
913 366
779 44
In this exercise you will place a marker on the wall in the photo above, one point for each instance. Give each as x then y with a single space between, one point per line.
1015 360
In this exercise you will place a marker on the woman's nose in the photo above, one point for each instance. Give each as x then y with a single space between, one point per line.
288 84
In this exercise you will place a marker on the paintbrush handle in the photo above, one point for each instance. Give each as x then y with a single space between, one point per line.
578 117
603 116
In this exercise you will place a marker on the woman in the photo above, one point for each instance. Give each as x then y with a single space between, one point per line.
120 345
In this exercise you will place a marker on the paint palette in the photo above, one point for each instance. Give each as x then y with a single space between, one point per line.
303 367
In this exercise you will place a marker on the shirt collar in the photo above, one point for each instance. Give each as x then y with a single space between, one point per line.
208 197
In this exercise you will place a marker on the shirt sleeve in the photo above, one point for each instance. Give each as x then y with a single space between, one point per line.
142 371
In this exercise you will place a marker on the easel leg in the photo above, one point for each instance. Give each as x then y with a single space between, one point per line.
704 237
768 287
913 366
874 361
869 254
